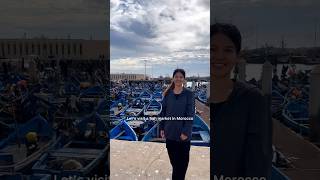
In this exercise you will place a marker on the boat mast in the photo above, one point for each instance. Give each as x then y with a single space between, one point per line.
145 69
256 36
282 43
315 35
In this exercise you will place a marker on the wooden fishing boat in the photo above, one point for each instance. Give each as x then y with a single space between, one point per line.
123 131
278 102
154 108
108 116
141 126
276 174
157 96
71 89
118 107
202 97
136 108
93 92
14 156
80 155
145 96
295 115
200 133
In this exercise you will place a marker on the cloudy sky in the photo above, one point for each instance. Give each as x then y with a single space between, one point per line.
54 18
165 34
268 21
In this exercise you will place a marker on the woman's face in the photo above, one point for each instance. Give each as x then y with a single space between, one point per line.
178 79
223 56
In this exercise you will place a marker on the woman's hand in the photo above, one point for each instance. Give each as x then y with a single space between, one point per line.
162 134
183 137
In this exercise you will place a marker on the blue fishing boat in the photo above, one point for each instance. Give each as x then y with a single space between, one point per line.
103 109
15 152
202 97
141 126
85 105
135 108
297 93
109 116
122 95
157 96
136 93
118 107
71 89
95 91
200 133
154 108
32 105
123 132
276 174
7 124
145 96
114 121
78 156
295 115
158 88
278 101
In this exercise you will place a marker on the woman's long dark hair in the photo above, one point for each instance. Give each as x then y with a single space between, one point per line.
232 32
165 93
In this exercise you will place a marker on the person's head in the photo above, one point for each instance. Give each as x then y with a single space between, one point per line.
225 49
178 78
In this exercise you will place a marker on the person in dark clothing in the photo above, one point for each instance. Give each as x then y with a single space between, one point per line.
241 125
178 102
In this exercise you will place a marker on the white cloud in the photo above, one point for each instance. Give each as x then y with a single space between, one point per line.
55 18
177 28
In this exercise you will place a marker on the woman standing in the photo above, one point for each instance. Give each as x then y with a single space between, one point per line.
177 102
242 137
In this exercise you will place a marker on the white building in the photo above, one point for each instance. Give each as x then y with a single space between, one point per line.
71 49
129 77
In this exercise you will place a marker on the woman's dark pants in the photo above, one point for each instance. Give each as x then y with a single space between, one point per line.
179 158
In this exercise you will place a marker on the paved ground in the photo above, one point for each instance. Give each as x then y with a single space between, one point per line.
305 156
149 161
